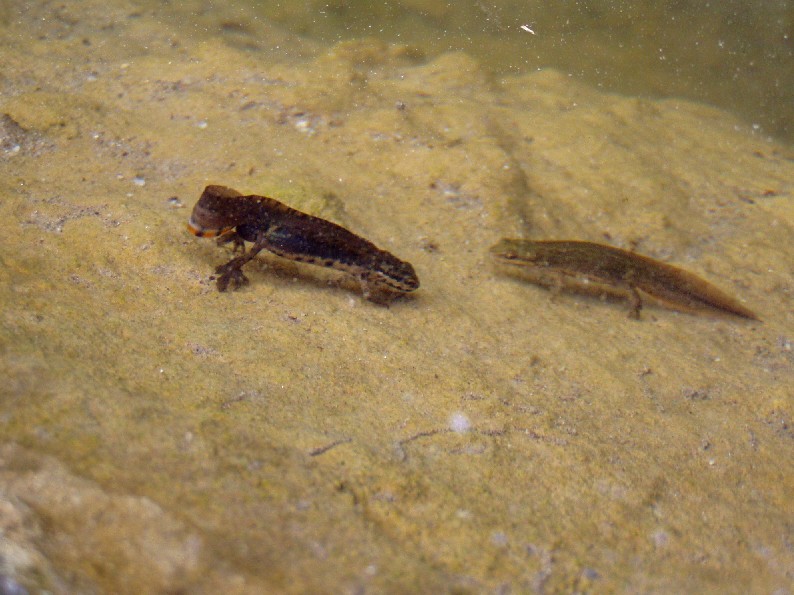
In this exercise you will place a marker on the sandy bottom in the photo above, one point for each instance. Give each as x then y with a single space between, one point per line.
478 435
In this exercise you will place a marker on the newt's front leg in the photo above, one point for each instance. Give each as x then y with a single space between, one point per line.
234 237
232 272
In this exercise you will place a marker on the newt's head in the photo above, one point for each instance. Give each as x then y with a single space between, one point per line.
215 213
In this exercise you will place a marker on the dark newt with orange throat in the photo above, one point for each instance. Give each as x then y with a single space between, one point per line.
599 269
232 217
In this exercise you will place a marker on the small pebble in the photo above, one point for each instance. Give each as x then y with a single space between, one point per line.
9 586
458 422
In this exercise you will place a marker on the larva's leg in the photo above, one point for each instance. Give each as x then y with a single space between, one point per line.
635 304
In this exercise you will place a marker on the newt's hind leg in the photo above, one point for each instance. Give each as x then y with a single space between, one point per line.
375 291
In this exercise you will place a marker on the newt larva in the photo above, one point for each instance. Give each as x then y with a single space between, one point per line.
599 269
271 225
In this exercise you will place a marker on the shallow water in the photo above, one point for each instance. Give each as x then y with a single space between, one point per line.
736 55
477 435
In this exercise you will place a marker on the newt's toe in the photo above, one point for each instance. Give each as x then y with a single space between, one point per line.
230 276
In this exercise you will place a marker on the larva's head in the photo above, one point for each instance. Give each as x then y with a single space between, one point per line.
216 212
509 251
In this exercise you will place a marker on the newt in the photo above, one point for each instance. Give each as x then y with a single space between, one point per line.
271 225
607 271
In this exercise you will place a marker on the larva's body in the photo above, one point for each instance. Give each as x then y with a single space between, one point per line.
601 269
